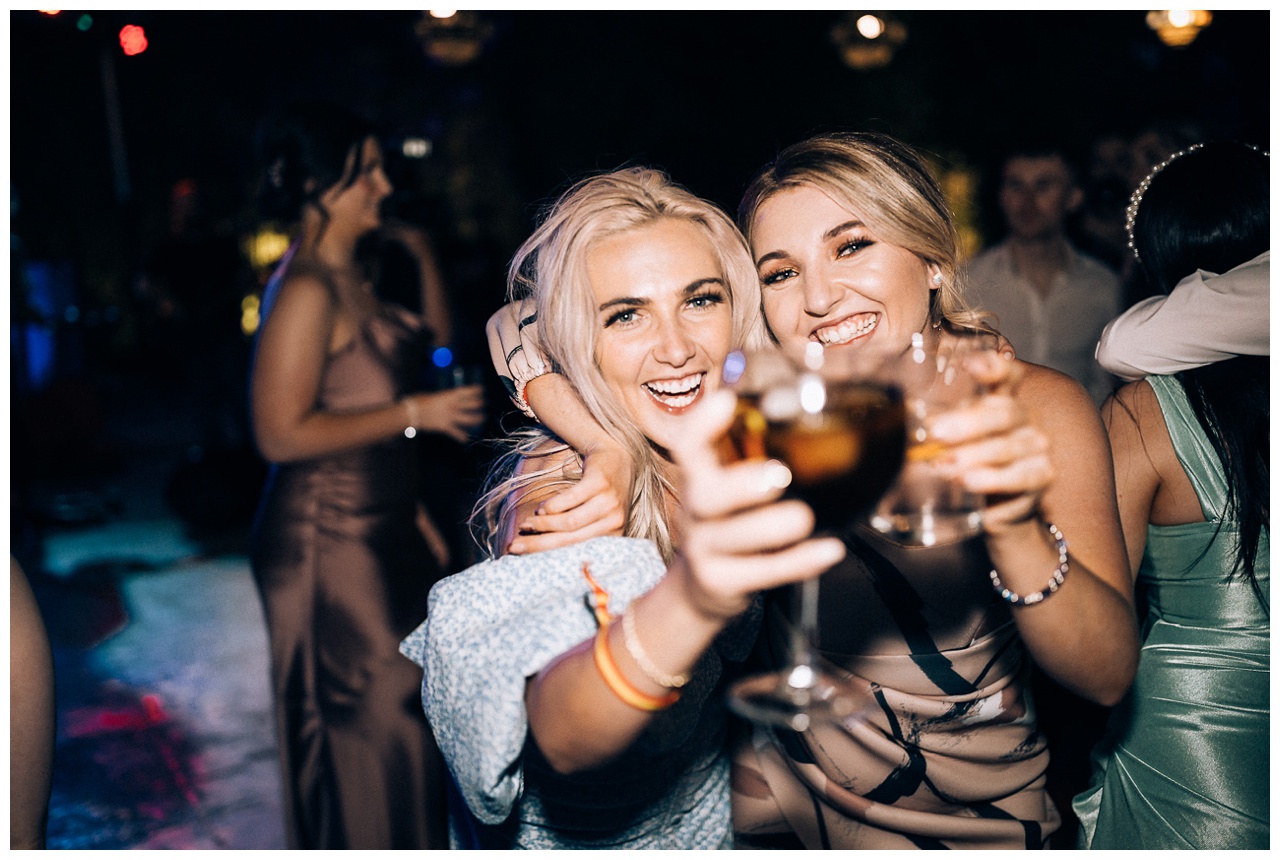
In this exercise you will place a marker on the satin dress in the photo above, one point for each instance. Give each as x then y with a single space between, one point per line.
344 575
944 749
1185 763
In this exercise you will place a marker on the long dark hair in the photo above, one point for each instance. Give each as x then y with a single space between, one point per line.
305 151
1210 209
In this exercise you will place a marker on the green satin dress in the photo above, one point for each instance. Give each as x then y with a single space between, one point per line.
1185 763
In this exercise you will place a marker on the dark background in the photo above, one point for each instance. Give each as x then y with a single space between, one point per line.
710 96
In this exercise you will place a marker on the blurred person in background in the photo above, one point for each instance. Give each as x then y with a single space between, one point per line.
32 721
1185 762
340 546
1051 301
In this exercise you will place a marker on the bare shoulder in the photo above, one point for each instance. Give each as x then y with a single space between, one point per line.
1054 399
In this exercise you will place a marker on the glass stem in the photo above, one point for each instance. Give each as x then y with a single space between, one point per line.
805 630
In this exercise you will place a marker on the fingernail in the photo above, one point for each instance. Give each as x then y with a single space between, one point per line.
516 547
831 550
776 476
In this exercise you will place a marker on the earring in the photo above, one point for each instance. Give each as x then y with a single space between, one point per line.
937 279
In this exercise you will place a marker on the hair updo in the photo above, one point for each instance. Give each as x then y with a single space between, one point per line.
305 152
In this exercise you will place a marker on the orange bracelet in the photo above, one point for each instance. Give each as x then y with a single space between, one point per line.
620 686
608 669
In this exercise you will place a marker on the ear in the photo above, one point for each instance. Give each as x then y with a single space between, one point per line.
1075 198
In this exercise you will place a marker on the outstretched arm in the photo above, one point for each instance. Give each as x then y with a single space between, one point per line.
1206 318
735 539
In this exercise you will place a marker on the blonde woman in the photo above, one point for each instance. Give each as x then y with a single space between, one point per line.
576 693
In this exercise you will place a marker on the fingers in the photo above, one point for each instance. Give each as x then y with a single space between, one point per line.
996 370
747 574
598 512
994 413
527 544
710 489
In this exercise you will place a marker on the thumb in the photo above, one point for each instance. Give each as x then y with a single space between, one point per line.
706 423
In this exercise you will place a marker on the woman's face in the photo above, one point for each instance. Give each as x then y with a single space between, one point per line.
826 278
665 321
357 207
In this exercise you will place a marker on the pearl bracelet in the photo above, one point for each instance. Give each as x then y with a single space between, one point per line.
637 652
1059 575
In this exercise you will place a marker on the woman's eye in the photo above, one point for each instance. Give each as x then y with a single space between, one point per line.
621 318
852 246
706 300
777 276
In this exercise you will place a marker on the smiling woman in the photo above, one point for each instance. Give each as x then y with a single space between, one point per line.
562 728
666 321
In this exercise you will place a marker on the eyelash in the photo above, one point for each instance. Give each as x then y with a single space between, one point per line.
856 242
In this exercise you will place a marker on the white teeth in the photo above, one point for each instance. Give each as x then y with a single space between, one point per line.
676 393
850 329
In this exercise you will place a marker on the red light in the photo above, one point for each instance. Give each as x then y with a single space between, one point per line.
133 39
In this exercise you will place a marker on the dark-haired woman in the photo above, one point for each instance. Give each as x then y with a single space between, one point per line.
1185 763
342 565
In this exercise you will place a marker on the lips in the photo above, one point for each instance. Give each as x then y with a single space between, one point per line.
676 394
849 329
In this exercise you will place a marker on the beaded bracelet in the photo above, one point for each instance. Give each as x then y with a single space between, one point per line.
1059 575
637 652
605 665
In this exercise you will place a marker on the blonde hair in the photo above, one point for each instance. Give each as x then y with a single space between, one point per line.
550 268
892 189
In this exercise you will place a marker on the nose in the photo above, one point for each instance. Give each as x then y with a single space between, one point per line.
820 294
676 345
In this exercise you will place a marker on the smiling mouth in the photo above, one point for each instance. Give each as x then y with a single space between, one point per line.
847 330
676 393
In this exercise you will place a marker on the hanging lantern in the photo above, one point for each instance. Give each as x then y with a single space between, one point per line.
868 40
1177 29
451 37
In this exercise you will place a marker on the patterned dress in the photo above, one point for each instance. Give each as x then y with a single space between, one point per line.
944 751
492 627
1185 763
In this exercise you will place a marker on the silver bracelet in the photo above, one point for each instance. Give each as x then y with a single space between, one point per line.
1059 575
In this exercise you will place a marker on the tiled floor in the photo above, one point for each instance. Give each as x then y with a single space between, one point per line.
165 736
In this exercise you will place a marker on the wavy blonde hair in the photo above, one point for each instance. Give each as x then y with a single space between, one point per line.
550 269
892 189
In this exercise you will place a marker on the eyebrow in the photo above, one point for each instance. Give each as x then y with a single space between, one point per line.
826 237
690 290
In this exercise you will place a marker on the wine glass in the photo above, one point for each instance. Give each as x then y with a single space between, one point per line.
837 421
928 505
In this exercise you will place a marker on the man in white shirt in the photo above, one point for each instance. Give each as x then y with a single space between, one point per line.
1050 300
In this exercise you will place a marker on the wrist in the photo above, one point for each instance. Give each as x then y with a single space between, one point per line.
410 413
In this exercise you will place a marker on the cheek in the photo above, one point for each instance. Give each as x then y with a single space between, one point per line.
776 308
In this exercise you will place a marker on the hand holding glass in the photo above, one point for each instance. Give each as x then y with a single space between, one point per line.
838 425
928 505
